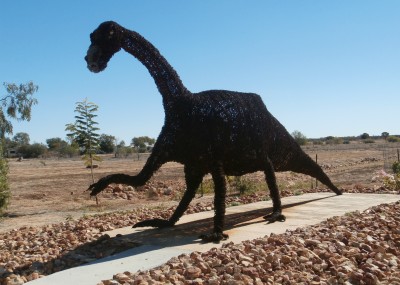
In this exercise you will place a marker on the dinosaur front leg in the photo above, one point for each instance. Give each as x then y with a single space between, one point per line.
153 163
276 200
193 180
102 183
217 235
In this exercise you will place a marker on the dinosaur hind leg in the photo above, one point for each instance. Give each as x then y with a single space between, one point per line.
274 192
217 235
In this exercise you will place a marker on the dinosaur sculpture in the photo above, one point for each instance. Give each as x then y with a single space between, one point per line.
217 131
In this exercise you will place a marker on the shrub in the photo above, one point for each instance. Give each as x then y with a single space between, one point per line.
368 141
206 187
317 142
396 167
235 184
392 182
393 139
333 140
389 181
243 185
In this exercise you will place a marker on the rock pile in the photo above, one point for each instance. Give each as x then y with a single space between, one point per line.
153 190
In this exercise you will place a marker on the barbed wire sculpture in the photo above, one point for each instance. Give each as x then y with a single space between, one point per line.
219 132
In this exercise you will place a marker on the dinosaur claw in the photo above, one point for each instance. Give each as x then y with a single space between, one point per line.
214 237
275 217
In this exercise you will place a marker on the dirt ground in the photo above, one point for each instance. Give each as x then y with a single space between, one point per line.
47 191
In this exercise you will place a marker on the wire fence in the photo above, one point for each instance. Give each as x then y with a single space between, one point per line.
390 155
387 152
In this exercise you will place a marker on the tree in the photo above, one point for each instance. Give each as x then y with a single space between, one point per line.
364 136
16 104
55 143
142 144
69 150
299 138
83 132
21 139
122 150
8 144
107 143
385 135
62 147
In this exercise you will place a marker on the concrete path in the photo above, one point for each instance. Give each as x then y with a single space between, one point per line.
242 223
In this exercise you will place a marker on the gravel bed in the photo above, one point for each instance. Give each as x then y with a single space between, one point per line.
358 248
29 253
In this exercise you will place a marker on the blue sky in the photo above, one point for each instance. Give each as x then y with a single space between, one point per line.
324 68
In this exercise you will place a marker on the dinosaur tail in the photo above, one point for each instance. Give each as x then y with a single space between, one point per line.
304 164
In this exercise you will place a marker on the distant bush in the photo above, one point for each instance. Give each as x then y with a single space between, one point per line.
393 139
299 138
32 150
123 151
333 140
68 151
364 136
368 141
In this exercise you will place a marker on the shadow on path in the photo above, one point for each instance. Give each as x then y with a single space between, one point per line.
188 233
144 242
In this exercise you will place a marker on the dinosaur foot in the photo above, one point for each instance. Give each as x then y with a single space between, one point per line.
337 191
274 217
155 223
214 237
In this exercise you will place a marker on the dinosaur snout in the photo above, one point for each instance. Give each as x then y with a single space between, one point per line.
92 58
93 66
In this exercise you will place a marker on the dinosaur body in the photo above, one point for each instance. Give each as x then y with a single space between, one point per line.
217 131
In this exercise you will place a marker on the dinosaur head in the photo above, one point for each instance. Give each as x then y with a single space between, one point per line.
105 42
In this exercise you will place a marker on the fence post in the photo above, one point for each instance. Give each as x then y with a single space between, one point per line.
398 155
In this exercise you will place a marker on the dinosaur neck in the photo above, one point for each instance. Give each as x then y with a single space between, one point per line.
167 80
